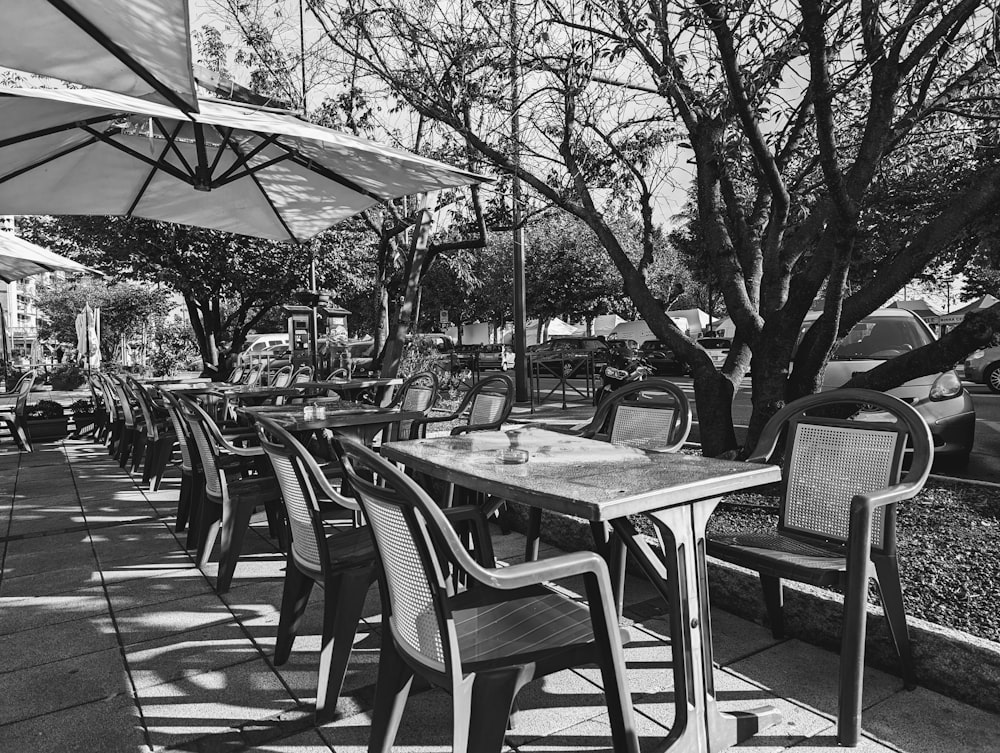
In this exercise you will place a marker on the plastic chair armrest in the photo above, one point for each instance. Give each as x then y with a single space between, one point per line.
539 571
887 496
476 427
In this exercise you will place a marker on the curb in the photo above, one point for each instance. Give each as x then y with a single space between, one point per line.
951 662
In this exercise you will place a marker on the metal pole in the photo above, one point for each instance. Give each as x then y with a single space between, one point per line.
521 386
314 318
6 352
302 54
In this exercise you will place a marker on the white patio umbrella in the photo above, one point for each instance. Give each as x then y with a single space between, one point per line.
20 258
141 48
88 343
229 167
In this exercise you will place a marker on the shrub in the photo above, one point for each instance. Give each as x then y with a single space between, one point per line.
44 409
163 362
67 377
81 406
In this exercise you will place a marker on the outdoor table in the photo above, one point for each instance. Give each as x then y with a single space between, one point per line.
341 416
602 482
352 388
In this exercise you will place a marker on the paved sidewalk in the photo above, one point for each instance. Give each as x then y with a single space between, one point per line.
111 640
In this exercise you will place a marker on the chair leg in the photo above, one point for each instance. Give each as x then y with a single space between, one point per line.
391 692
343 601
20 434
294 599
234 528
482 707
209 522
164 450
774 601
198 501
125 446
887 571
617 557
183 503
140 450
532 534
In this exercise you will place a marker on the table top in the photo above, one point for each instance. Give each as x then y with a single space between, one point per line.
587 478
352 384
339 415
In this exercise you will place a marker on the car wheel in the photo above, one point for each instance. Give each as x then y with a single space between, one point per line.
992 378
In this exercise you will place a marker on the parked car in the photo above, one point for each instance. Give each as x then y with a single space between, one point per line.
256 344
717 349
662 359
565 345
496 356
983 367
939 398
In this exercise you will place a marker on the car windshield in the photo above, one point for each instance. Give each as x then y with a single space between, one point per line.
651 345
714 343
880 338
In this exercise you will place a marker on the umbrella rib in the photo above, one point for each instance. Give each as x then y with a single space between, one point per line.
172 141
253 176
119 52
227 179
56 129
149 178
46 160
225 134
165 167
242 159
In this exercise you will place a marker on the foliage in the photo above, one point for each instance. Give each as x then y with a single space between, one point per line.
126 307
82 406
44 409
67 377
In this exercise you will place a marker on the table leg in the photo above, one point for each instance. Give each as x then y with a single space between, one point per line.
680 575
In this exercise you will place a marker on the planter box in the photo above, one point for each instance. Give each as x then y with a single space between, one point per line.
82 420
47 428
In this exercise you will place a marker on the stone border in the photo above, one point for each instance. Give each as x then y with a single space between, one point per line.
951 662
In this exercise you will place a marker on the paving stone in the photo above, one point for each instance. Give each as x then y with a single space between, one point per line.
31 612
212 703
928 722
309 741
190 653
170 618
35 691
40 645
109 725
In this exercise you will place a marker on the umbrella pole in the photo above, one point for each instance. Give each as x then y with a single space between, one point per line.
6 353
313 320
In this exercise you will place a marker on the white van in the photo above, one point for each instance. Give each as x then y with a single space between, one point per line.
257 343
640 331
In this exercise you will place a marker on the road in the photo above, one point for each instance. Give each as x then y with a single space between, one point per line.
983 466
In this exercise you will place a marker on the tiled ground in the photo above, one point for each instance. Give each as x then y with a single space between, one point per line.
111 640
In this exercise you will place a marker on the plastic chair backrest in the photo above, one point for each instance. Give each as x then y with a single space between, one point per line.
252 377
198 422
827 461
304 374
97 392
124 401
651 414
146 407
402 517
110 398
418 392
236 375
181 429
489 400
295 470
338 374
282 377
23 388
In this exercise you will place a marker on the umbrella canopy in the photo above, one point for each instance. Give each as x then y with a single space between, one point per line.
229 167
20 259
141 48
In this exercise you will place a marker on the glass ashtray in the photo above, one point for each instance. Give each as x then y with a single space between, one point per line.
512 456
